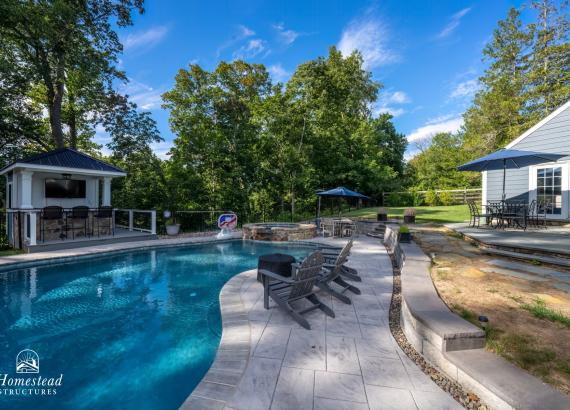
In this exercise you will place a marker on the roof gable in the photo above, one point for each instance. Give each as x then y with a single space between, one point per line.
67 158
539 124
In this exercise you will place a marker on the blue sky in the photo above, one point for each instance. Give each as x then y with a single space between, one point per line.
426 54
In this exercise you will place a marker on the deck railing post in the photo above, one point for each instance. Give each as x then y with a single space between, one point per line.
32 229
153 222
131 214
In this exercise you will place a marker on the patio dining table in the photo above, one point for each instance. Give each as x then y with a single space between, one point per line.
508 214
340 225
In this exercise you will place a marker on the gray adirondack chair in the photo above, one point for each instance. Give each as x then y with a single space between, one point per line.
331 273
331 253
300 285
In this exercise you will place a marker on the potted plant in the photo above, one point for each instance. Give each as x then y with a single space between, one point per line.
382 215
405 235
410 216
172 228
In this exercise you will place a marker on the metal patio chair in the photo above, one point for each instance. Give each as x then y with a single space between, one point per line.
81 214
102 215
52 213
286 290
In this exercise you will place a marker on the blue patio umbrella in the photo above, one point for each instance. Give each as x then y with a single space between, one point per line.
338 192
508 159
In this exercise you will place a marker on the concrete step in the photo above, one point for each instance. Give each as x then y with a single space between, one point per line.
551 260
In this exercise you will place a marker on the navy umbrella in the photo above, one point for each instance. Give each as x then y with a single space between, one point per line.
338 192
508 158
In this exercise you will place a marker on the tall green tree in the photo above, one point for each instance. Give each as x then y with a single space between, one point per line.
549 73
497 115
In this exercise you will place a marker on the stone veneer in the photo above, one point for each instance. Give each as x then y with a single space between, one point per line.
279 232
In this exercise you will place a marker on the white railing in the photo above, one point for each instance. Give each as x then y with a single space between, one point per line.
132 213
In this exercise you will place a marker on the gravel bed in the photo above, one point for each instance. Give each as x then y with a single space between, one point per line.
466 399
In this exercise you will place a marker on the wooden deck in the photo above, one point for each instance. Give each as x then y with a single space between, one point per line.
121 235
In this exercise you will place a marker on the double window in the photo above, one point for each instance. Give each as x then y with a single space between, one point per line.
549 189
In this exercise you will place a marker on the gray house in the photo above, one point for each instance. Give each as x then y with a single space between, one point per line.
548 182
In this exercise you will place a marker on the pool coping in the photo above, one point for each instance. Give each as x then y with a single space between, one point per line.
232 356
28 260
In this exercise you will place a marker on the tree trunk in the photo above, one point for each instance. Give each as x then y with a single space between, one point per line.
72 123
56 103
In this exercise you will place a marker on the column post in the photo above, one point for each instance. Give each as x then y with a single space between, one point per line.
107 191
26 189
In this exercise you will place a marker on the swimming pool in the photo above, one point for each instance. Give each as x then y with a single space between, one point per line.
132 330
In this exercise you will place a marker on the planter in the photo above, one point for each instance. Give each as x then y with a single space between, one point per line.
409 219
172 229
405 237
381 217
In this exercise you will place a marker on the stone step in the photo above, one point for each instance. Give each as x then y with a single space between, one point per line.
551 260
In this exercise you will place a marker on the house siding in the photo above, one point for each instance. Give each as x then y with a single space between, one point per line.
552 137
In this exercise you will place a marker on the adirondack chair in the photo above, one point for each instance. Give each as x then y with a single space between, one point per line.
331 253
331 273
284 290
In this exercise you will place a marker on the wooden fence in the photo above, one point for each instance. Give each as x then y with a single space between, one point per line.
458 196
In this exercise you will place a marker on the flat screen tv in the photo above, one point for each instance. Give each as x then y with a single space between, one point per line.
65 188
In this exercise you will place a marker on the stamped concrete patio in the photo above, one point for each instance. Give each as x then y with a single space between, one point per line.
349 362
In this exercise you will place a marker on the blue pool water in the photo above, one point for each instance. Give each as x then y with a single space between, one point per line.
134 330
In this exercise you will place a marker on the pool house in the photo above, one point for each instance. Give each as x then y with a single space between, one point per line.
62 199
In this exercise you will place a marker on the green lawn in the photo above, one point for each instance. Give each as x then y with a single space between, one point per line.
437 214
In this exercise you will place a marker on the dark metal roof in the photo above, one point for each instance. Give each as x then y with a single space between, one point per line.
67 158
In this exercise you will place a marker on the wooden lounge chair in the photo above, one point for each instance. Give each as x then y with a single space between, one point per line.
331 253
331 273
284 290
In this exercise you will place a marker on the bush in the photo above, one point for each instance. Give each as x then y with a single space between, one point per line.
417 199
445 198
431 198
404 229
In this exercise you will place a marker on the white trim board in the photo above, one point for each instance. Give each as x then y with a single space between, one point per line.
539 124
67 170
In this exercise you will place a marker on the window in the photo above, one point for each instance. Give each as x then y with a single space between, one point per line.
549 189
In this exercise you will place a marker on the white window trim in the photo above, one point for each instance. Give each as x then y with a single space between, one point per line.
565 213
484 191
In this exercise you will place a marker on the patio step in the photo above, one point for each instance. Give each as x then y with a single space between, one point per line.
58 246
551 260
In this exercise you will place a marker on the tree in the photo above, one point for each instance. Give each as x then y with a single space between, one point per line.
549 74
497 115
435 167
54 42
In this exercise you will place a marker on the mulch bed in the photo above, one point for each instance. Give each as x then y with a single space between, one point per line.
466 399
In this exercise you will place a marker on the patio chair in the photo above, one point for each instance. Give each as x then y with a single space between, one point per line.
475 215
81 214
331 253
49 214
331 273
532 213
543 208
104 213
286 290
327 227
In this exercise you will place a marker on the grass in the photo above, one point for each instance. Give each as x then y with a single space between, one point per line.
522 350
8 252
424 214
539 309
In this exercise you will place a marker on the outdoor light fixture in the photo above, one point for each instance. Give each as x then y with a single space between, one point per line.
484 321
66 176
166 214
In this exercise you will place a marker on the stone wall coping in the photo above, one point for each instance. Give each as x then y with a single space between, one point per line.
501 384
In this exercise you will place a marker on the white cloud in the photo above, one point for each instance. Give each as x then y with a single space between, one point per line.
465 89
145 96
454 22
287 36
396 97
146 39
370 37
251 49
278 73
430 129
245 31
394 112
162 148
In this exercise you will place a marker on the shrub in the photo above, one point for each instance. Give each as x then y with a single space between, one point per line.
409 212
417 199
445 198
432 198
404 229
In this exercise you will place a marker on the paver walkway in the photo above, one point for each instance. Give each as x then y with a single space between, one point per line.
349 362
